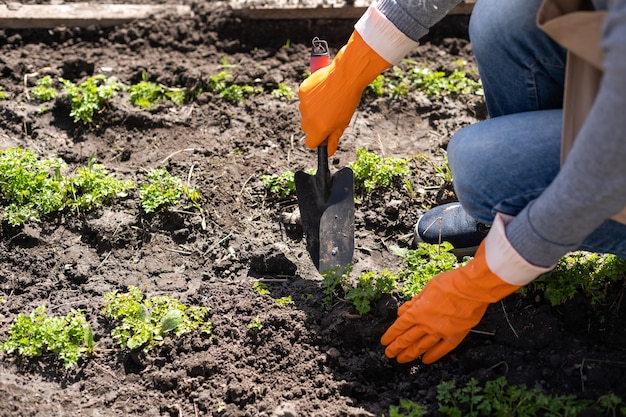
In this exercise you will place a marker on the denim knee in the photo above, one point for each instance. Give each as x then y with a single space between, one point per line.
504 26
466 165
521 67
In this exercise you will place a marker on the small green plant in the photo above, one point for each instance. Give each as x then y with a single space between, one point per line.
260 288
282 185
221 84
369 288
372 171
31 187
282 90
67 337
92 186
438 83
3 95
377 87
496 398
162 190
144 322
586 272
44 89
407 409
146 93
283 302
421 265
424 263
434 83
90 96
255 324
333 284
443 171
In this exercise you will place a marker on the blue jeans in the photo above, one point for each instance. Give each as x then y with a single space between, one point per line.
503 163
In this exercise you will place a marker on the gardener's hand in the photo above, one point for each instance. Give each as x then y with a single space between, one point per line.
437 319
329 97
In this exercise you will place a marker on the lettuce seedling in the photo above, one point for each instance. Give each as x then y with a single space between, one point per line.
44 90
282 90
162 190
67 337
144 322
146 93
32 187
89 97
372 171
282 185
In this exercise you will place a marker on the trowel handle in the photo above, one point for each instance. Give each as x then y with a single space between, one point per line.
320 58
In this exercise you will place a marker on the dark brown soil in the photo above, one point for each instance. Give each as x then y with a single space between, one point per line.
306 360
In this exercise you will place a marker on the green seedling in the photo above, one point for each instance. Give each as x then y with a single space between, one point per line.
225 63
146 93
256 324
283 91
434 83
143 323
424 263
90 96
221 84
31 187
163 190
44 89
92 186
3 94
496 398
581 272
372 172
377 87
443 171
407 409
438 83
260 288
333 285
421 265
282 185
284 302
67 337
369 288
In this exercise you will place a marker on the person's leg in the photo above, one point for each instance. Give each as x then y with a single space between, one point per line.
501 164
521 68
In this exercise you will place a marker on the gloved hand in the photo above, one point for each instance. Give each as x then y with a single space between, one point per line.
437 319
329 97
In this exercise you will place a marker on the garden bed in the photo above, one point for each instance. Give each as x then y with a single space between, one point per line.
263 359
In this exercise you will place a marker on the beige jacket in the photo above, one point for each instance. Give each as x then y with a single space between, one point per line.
576 26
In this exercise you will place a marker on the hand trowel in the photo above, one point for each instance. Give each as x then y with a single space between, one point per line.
326 201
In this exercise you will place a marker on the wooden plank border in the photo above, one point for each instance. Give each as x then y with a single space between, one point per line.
347 12
45 16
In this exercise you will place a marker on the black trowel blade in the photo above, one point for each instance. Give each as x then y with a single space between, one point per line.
327 215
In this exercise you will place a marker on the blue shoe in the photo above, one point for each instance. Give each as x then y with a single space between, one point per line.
450 223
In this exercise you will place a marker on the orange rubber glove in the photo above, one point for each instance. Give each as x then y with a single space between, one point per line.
329 97
436 320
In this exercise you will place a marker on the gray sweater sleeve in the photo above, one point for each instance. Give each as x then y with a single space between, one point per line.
591 186
415 17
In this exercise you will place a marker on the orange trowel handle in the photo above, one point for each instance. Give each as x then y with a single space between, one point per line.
320 58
